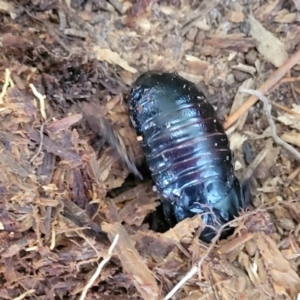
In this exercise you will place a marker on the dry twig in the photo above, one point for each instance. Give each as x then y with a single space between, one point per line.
62 19
267 109
7 81
29 292
99 268
289 79
264 88
41 140
286 109
41 99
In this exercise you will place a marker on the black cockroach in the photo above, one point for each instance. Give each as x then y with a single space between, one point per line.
186 149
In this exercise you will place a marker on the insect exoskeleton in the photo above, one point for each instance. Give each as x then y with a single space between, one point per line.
186 149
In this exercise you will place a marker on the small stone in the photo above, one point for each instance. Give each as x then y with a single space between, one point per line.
76 3
240 76
251 57
251 247
262 123
191 35
286 224
200 38
230 79
240 58
245 28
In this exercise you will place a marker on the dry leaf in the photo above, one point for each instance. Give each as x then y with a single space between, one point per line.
7 7
15 41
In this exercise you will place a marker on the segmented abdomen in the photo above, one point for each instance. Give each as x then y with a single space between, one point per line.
185 145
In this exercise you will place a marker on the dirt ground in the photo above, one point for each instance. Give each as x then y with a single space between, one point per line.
74 215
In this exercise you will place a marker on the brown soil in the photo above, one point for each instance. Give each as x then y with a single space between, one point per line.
71 196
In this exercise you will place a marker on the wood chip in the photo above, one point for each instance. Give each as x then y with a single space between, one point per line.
284 16
292 137
235 16
266 10
132 263
112 58
297 4
15 41
195 65
10 162
244 68
239 99
267 44
232 42
63 124
282 274
235 243
53 147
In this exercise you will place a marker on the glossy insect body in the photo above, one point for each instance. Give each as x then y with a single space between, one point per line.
186 149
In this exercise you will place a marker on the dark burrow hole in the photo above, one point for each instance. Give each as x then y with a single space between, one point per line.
156 220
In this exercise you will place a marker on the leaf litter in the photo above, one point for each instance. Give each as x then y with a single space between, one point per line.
75 221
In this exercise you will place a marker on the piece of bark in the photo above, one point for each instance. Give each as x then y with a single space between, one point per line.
53 147
239 99
104 128
9 161
45 170
135 211
78 189
232 42
132 262
79 217
9 40
63 124
235 16
267 44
